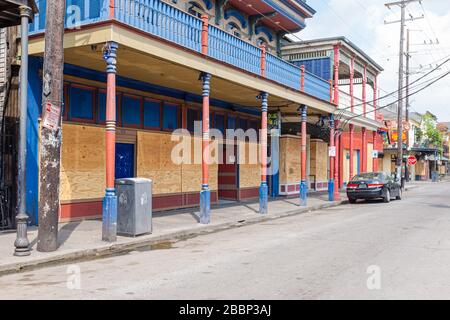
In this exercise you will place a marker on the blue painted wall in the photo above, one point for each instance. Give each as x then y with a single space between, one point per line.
34 106
320 67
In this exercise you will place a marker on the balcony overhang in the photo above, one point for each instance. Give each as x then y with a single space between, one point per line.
290 14
147 58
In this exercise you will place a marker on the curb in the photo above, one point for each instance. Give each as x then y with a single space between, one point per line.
114 249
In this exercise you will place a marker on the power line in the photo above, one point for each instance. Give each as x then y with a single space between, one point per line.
404 87
398 100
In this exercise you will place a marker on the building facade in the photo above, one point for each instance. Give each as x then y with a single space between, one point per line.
137 70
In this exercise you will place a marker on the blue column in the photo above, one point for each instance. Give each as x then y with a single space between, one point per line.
263 189
303 184
331 162
109 222
205 193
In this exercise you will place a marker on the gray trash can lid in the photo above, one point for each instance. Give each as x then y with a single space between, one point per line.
133 181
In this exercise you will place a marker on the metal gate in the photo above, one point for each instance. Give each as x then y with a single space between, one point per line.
8 185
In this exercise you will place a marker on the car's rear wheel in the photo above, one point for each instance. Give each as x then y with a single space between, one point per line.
351 200
399 197
387 196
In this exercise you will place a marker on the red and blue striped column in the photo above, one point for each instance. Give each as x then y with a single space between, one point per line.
364 149
303 184
336 196
109 222
263 189
351 129
336 73
331 178
205 193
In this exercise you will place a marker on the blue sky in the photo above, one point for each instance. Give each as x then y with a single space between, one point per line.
362 21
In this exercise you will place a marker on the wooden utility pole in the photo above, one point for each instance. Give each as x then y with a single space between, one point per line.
52 104
402 4
407 101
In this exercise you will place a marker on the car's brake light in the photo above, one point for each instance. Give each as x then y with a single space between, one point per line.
375 185
352 186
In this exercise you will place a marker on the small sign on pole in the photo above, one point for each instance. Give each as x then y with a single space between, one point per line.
375 154
52 116
332 151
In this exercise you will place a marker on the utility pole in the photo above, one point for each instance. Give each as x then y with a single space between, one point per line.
52 97
402 4
407 101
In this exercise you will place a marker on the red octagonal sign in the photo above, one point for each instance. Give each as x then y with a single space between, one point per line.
412 160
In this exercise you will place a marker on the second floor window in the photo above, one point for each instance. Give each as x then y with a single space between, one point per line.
195 9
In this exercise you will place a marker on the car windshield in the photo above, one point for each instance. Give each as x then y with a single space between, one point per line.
368 176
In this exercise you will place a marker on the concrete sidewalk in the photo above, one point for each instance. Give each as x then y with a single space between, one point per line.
82 240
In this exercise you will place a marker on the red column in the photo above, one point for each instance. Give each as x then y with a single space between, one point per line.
109 210
263 189
205 23
363 149
111 9
331 178
336 74
375 88
336 164
205 193
263 60
303 182
375 160
352 76
302 78
351 164
364 94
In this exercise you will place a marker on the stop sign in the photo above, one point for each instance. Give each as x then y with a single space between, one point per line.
412 160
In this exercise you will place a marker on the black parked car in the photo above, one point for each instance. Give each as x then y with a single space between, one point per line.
372 186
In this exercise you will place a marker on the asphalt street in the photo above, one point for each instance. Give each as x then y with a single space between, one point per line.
368 250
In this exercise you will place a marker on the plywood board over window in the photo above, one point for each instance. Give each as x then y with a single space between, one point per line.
155 162
83 163
249 166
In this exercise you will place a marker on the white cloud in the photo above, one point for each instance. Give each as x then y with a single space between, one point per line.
363 23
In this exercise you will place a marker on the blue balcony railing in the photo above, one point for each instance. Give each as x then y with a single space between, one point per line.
165 21
230 49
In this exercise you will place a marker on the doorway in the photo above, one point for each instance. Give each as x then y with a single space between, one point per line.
228 173
125 160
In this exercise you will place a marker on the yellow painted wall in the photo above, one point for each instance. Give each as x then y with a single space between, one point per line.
83 159
369 157
319 160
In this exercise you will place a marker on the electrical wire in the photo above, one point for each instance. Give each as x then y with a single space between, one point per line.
403 88
411 94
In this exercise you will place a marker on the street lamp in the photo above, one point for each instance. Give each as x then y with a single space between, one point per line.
13 13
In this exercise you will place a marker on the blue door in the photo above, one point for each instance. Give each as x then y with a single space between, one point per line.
124 160
358 162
